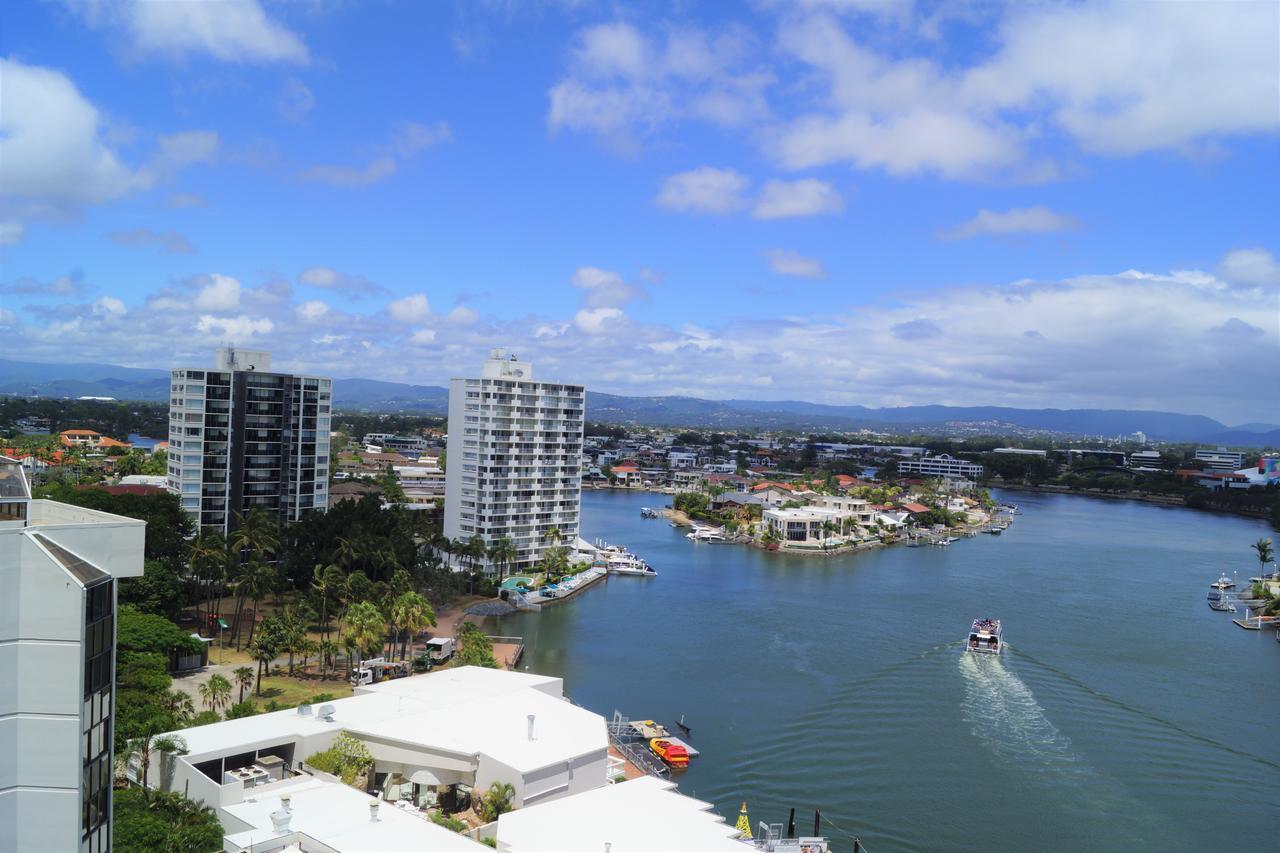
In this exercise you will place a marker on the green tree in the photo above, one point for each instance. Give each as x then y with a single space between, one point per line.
215 693
244 680
162 821
154 741
1265 552
255 538
411 614
263 653
474 647
496 801
367 626
502 554
254 583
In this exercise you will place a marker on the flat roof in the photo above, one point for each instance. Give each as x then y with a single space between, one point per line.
469 710
645 815
338 816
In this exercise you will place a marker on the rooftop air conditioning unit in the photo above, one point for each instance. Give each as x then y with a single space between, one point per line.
325 712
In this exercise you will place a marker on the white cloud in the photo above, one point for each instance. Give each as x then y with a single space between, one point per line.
222 293
312 311
56 155
296 101
327 278
423 337
53 153
11 233
597 321
461 315
109 305
1160 76
704 190
144 238
410 309
605 288
805 197
378 169
233 328
624 84
789 263
1250 268
229 30
412 137
1018 220
72 284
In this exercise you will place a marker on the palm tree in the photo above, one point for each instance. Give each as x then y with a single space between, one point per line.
264 653
411 613
220 688
1266 554
256 580
153 742
350 644
325 581
828 527
244 680
207 559
552 535
179 704
367 626
255 537
502 554
328 651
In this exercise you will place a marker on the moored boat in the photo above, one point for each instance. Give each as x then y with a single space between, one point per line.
674 754
1222 605
985 637
1223 582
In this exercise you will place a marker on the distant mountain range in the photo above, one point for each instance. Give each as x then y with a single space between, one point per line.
126 383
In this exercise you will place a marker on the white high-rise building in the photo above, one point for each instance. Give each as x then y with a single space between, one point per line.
58 570
241 437
513 464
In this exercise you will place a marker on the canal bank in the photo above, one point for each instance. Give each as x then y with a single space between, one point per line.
1117 719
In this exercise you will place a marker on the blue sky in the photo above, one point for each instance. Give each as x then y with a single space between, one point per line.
836 200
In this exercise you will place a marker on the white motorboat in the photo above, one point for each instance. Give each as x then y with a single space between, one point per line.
706 534
985 637
629 564
1223 582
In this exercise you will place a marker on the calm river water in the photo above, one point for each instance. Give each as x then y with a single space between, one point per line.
1123 715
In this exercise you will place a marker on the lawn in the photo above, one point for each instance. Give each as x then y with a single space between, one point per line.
294 691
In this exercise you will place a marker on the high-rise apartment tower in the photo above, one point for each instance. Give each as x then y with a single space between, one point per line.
58 570
514 460
242 437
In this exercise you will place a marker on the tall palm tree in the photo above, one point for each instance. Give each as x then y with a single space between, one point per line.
412 614
347 553
264 654
351 645
178 704
220 690
1265 552
256 580
153 742
553 535
502 554
328 651
325 581
255 538
206 558
244 680
367 626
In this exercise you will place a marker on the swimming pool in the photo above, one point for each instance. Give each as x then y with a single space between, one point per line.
515 581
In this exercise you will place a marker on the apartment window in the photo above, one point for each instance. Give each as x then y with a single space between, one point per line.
99 651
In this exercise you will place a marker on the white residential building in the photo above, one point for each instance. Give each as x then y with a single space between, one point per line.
462 729
58 570
645 815
1221 460
514 454
856 509
421 483
242 437
941 466
805 525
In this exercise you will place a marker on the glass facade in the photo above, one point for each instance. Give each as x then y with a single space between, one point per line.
95 749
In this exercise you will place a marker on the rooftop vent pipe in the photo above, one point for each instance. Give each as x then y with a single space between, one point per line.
373 811
532 717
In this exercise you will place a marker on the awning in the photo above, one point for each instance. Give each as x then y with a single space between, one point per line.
435 776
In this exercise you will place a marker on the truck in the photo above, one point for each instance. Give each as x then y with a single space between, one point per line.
377 669
441 649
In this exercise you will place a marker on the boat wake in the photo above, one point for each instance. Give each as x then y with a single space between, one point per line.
1003 713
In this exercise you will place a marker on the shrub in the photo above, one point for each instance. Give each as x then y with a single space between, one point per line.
242 709
448 822
347 758
204 718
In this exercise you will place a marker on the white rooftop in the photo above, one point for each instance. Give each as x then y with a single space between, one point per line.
338 816
468 710
645 815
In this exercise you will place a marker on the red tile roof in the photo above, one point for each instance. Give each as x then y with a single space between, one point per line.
914 507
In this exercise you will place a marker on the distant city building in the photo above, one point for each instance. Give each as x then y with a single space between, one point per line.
57 659
1021 451
1220 459
409 444
420 483
242 437
1140 437
1146 459
941 466
514 459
